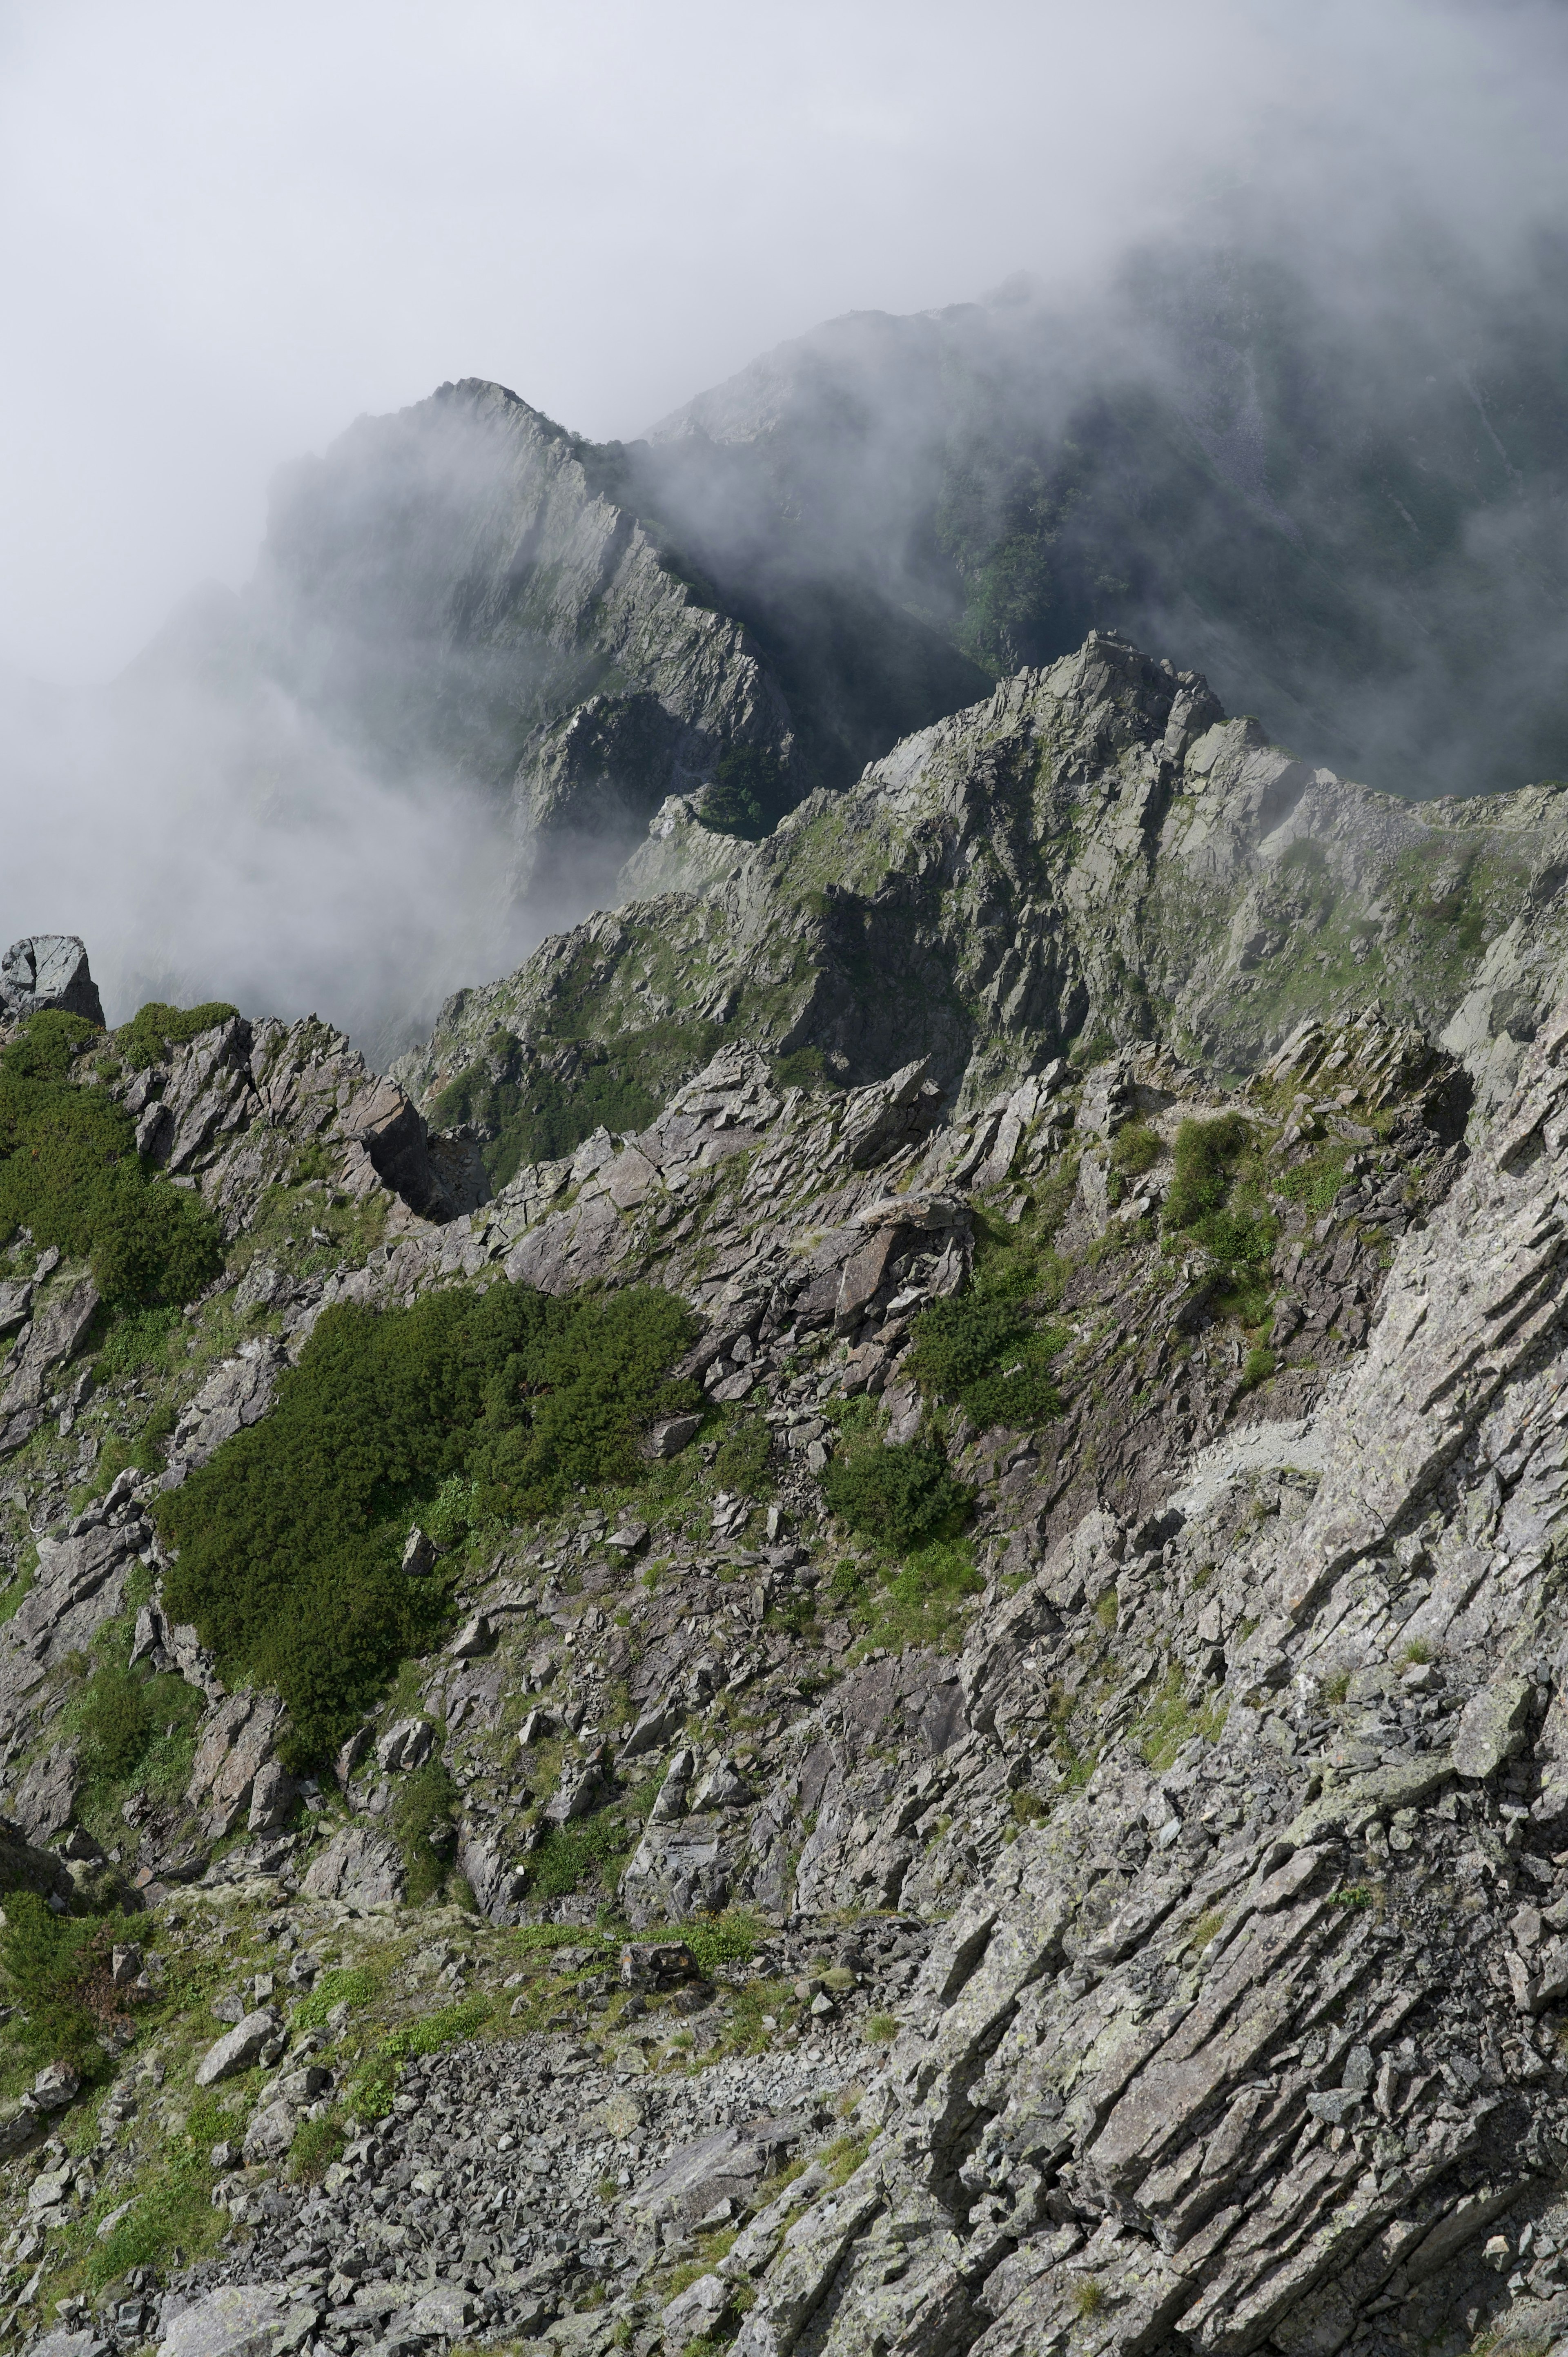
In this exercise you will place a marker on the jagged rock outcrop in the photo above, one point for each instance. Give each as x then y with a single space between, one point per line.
1094 857
1261 2048
48 970
234 1108
1172 1900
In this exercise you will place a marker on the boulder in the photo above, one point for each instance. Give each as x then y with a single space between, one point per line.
238 2321
269 2132
406 1745
671 1435
728 2165
46 1344
360 1867
49 969
472 1639
237 1393
237 2049
47 1794
271 1797
23 1867
418 1554
17 2122
1491 1726
57 2084
696 2313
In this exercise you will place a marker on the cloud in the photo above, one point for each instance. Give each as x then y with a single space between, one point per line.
227 232
216 847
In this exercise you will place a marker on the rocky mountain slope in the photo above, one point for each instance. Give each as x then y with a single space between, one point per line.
1093 856
977 1765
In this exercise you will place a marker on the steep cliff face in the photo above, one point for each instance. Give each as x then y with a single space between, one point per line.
447 590
1093 856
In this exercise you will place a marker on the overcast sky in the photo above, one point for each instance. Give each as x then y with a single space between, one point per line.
226 230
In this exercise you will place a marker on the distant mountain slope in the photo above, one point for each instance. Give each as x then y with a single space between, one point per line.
447 592
1348 512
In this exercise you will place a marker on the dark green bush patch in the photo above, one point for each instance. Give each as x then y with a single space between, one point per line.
118 1723
70 1173
742 1460
56 1969
538 1101
749 795
899 1497
156 1029
569 1854
1135 1148
132 1340
1215 1194
985 1350
802 1068
1207 1154
290 1538
424 1826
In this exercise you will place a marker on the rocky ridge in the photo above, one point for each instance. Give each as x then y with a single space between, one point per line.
1095 856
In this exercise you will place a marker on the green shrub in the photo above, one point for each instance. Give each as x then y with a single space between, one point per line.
748 796
1317 1180
983 1350
899 1496
1205 1200
70 1173
569 1854
316 2144
920 1603
132 1340
290 1538
117 1724
1206 1153
743 1461
423 1826
539 1102
535 1938
47 1961
354 1985
156 1029
1136 1149
732 1937
800 1069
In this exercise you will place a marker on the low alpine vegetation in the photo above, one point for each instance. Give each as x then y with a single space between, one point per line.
70 1173
290 1539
